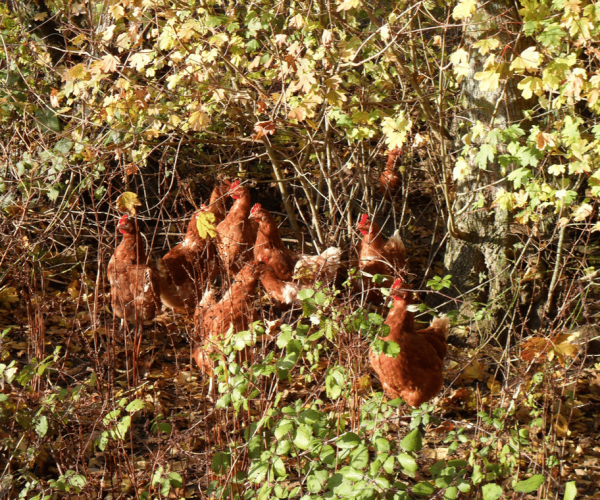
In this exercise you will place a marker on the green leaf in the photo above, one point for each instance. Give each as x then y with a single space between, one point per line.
313 485
221 462
491 491
279 467
205 225
570 491
320 298
77 481
412 441
407 462
103 441
41 426
359 458
63 146
135 405
424 488
303 437
328 456
48 120
175 479
348 441
335 382
307 293
486 154
390 348
451 493
284 428
529 485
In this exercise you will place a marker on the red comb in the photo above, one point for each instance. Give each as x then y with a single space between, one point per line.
235 184
398 283
363 220
255 209
123 219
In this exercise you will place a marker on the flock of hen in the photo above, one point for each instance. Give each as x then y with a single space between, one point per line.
248 247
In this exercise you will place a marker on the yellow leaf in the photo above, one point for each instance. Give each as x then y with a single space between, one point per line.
464 9
9 295
205 224
298 113
460 63
528 61
556 169
543 139
141 59
461 169
127 202
348 4
198 120
494 385
582 212
108 33
505 200
116 11
488 80
531 85
486 45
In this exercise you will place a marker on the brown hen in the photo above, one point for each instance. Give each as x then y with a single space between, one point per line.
283 294
390 180
416 373
135 291
187 268
377 257
236 234
235 310
269 246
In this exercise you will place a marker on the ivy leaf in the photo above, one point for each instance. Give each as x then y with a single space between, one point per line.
127 202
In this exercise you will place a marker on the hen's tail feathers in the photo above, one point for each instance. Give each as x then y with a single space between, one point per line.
208 299
395 244
328 262
442 324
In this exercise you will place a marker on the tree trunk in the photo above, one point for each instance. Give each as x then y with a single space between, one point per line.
479 260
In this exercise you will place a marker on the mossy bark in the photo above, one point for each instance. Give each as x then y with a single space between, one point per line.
479 260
